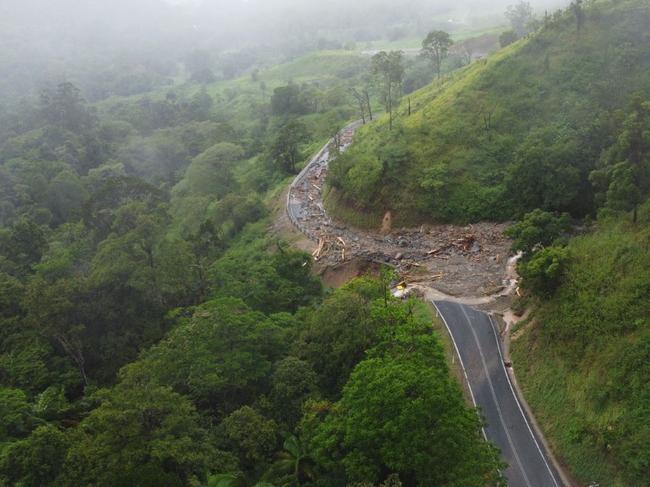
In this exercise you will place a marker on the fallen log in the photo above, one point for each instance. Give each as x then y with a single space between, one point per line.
317 253
465 243
439 249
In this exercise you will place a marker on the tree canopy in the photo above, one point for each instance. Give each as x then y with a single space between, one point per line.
435 47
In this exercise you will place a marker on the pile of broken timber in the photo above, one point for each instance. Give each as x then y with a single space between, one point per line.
463 244
324 246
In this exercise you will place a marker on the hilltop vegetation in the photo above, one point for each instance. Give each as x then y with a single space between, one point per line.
520 130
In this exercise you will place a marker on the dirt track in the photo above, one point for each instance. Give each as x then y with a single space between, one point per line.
468 261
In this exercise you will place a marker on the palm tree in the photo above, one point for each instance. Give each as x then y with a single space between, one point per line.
295 461
226 480
232 480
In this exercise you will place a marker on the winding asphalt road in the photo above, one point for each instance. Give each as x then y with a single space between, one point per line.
479 350
475 340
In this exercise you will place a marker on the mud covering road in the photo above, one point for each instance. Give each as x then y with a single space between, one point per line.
455 260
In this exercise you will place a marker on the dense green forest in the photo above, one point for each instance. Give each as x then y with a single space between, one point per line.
154 332
520 130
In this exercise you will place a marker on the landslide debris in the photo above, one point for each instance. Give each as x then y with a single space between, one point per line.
456 260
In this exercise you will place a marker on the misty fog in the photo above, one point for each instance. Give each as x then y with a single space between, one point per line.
152 42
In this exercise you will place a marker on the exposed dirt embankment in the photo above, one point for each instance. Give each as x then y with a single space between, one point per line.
455 260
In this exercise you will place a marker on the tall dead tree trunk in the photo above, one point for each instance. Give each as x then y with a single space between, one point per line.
73 350
367 96
390 106
361 101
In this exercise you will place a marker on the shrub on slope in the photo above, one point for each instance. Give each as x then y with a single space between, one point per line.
585 363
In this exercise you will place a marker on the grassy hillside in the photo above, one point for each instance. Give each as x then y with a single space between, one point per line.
520 130
585 361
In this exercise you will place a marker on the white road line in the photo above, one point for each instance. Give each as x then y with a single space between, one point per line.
494 396
550 471
460 359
